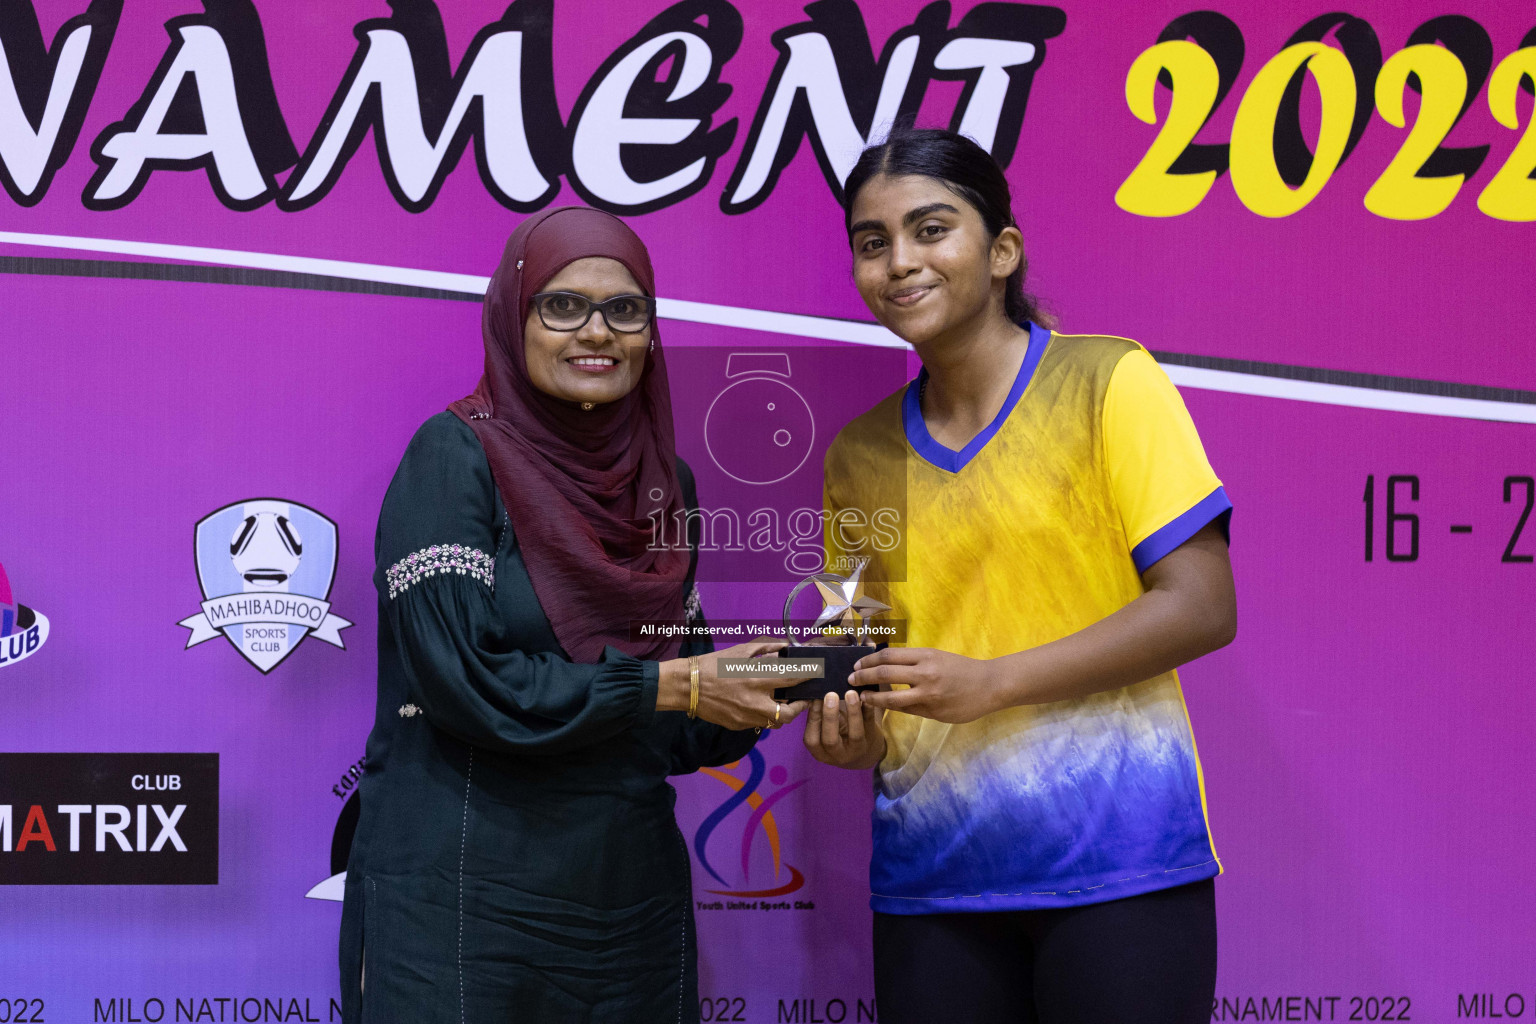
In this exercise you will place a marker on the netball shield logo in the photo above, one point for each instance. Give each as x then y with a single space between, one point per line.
266 567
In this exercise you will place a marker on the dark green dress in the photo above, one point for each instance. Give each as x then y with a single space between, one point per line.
517 857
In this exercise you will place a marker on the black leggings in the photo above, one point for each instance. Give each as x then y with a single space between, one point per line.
1148 959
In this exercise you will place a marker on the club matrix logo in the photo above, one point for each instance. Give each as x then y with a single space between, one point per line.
109 819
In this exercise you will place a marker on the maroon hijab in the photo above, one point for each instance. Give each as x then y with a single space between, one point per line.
580 485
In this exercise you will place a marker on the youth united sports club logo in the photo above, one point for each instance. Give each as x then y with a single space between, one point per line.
23 630
747 802
265 566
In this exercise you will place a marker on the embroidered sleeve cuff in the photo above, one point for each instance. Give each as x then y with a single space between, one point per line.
1213 506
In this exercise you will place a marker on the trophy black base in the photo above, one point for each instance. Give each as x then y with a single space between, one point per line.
838 667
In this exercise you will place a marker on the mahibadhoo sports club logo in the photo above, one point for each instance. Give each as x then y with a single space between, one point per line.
23 630
265 566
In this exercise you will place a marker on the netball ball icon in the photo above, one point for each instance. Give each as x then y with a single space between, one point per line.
759 430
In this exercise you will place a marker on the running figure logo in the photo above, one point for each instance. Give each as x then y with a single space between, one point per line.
759 816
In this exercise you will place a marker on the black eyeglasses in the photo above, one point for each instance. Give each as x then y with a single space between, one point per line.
567 311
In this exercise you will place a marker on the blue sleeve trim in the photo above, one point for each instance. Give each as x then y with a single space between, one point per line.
1215 505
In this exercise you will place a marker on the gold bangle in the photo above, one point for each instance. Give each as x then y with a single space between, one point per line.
693 686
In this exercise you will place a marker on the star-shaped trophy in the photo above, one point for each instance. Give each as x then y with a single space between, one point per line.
844 600
848 608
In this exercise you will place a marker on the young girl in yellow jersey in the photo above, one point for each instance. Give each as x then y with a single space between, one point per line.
1041 851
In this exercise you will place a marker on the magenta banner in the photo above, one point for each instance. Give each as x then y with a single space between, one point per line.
242 248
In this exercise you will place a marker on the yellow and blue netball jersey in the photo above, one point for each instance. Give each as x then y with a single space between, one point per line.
1090 473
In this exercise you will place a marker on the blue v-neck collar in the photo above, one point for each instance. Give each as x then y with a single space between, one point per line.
948 459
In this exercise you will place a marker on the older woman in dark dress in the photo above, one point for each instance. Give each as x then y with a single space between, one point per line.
517 856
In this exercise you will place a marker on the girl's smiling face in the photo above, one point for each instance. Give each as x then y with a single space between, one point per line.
923 260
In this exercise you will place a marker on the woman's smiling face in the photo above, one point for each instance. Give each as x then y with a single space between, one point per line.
593 363
922 258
